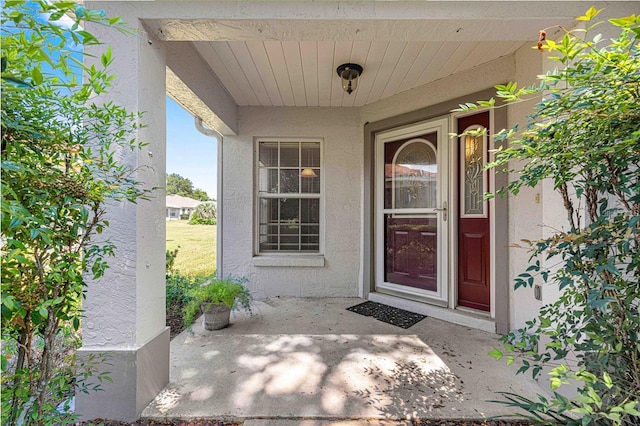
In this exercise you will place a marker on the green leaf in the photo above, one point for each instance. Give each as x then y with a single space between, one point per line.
626 21
591 13
495 353
87 38
9 302
17 82
556 382
607 380
36 75
630 408
106 57
15 222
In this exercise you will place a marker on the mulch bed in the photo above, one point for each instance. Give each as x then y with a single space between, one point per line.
174 321
102 422
202 422
470 423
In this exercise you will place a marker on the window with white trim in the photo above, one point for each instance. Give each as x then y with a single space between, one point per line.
289 195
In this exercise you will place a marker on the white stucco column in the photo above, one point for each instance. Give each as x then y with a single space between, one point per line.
124 316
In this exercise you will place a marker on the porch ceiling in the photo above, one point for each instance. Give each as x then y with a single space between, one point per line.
285 53
292 73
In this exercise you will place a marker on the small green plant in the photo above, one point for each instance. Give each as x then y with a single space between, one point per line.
229 292
171 260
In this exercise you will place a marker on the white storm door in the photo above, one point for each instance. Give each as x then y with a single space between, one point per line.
412 210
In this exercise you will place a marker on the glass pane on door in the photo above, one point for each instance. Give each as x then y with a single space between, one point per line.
414 175
410 199
411 257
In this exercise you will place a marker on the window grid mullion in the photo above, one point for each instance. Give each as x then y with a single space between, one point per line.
289 195
299 168
279 228
299 224
279 202
278 168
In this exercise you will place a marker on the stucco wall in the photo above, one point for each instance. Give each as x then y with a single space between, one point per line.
342 176
341 131
525 210
126 307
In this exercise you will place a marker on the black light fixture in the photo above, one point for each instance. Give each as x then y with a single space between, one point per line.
349 74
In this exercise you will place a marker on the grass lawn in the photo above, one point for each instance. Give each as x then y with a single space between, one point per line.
197 247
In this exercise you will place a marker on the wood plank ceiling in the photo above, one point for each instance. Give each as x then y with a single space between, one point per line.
302 73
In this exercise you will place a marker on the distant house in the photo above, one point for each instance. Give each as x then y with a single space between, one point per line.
179 206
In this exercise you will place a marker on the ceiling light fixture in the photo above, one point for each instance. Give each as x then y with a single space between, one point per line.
349 74
308 173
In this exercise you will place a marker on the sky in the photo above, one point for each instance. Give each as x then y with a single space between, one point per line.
190 153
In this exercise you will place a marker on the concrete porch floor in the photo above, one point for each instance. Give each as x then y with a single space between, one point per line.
311 362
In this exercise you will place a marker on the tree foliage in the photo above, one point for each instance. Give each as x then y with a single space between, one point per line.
200 194
59 169
180 185
584 136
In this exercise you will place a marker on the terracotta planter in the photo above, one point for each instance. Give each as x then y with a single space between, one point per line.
215 316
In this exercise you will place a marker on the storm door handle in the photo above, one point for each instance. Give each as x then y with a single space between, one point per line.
443 210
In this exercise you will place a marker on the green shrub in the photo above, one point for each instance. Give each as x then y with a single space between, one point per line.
179 288
204 214
584 137
201 221
59 172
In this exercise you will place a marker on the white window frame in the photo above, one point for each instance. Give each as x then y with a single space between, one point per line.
257 196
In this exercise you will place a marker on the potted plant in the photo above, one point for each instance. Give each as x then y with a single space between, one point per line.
216 298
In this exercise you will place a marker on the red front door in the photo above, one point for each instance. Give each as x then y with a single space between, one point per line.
473 223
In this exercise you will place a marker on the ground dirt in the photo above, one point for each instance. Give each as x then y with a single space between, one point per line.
174 320
101 422
202 422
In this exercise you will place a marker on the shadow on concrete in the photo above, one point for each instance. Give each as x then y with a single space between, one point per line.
345 366
410 393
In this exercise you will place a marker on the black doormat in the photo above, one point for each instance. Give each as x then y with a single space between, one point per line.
388 314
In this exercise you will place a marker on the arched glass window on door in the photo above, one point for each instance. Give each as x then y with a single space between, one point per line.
415 172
